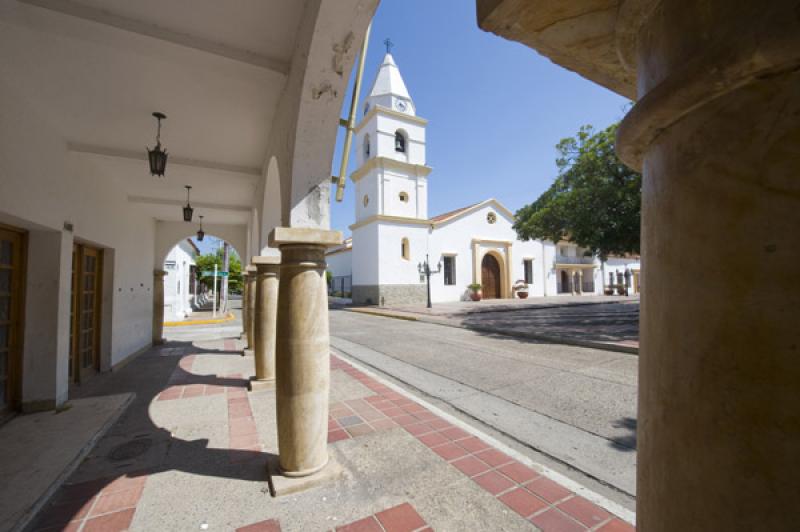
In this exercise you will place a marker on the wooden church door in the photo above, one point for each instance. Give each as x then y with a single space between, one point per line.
490 277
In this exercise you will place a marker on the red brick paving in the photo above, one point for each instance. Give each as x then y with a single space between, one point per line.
547 489
555 521
271 525
584 511
617 525
99 505
523 502
402 518
368 524
516 485
494 482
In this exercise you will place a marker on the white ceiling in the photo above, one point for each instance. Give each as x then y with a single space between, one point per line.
97 69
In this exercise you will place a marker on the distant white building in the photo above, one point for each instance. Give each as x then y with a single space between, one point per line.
179 281
393 233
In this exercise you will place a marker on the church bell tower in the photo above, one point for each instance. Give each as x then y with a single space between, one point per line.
391 180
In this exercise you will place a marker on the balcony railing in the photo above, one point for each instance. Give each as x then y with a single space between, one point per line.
563 259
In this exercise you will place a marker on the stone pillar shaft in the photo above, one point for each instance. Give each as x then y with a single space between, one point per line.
716 131
250 305
303 349
158 306
245 289
265 319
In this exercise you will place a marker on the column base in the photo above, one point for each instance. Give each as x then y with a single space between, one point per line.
256 385
248 352
285 485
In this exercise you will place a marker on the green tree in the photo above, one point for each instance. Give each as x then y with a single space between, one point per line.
595 202
205 263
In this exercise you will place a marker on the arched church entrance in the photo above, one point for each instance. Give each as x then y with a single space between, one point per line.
564 282
490 277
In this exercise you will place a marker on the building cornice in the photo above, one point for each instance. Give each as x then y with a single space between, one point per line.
392 219
492 241
384 163
389 112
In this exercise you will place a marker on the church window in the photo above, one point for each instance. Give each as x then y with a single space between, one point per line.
491 217
366 147
449 270
404 197
366 200
399 141
528 263
404 249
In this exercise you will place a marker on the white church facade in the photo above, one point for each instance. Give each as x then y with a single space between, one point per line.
393 234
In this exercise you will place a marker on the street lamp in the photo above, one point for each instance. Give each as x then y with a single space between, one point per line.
157 156
424 269
187 211
200 233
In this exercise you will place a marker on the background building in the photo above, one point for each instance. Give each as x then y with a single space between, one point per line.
179 282
393 234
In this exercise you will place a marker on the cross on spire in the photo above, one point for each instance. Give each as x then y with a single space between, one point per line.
389 45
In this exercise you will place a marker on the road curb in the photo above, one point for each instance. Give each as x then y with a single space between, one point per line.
189 323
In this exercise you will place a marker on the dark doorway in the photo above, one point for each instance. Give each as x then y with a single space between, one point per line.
490 277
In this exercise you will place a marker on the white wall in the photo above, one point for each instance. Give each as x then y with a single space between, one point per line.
42 186
365 255
340 264
177 292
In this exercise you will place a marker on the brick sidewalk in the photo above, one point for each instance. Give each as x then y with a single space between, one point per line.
191 456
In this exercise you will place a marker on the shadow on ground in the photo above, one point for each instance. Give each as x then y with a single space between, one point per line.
627 442
135 447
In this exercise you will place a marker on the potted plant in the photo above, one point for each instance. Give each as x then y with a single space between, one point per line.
621 289
609 290
475 291
521 288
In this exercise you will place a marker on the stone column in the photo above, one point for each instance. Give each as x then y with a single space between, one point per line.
250 305
302 361
580 282
265 321
158 306
716 131
245 289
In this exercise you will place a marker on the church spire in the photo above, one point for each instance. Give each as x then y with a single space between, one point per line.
389 90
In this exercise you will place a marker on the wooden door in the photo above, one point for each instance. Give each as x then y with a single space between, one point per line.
490 277
85 312
11 289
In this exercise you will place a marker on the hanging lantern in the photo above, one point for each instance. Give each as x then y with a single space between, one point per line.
187 211
200 233
157 156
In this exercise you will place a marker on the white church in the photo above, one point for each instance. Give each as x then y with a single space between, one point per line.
393 235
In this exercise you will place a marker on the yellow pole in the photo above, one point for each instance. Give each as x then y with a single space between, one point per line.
351 119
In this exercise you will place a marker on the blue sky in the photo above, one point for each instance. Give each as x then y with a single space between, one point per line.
496 109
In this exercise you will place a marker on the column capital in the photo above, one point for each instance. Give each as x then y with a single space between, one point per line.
159 273
250 269
267 264
281 236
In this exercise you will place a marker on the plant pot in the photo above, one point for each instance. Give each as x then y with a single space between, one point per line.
522 295
476 295
621 290
609 291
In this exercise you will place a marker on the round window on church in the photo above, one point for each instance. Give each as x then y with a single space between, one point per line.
404 197
366 200
491 217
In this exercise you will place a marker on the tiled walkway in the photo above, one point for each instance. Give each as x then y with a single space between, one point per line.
190 456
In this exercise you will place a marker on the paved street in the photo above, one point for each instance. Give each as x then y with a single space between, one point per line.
590 321
572 404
